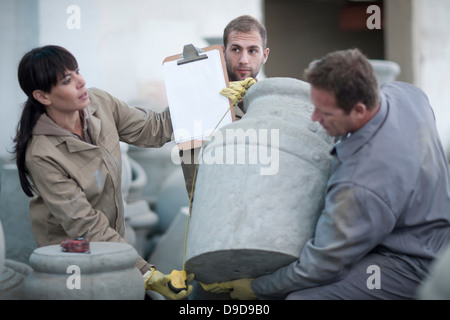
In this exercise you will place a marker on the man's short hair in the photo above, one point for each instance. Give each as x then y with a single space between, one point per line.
245 24
349 75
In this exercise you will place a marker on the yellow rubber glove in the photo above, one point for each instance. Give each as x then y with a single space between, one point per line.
237 89
240 289
159 282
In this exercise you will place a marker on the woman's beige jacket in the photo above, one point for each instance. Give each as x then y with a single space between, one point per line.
78 184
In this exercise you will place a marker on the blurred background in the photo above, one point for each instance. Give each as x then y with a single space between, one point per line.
120 45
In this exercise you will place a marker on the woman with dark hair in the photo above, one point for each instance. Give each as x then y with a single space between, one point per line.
68 154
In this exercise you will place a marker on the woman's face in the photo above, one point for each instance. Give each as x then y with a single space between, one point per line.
69 94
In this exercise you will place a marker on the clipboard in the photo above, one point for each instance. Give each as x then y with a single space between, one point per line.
193 82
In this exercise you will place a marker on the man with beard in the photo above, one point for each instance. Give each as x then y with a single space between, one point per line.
245 50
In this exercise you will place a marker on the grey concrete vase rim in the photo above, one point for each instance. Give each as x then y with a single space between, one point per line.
280 86
107 256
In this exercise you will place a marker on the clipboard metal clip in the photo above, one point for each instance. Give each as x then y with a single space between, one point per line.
191 54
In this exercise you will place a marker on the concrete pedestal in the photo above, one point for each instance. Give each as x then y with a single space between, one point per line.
251 217
107 272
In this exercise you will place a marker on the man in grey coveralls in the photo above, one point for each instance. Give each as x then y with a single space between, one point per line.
387 208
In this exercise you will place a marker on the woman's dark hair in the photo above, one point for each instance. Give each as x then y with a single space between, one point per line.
39 69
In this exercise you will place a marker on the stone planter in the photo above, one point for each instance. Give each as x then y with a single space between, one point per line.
15 216
437 284
385 70
251 217
106 273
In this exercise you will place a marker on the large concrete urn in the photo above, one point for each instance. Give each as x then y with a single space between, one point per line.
106 273
260 187
11 282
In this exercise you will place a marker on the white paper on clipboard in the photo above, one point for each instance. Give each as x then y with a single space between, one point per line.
193 93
